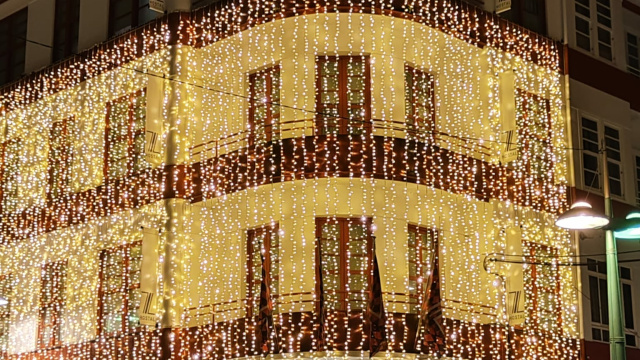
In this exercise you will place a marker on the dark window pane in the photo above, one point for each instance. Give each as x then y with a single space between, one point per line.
604 51
592 265
65 35
13 32
625 273
615 187
583 42
596 334
591 180
582 26
605 335
608 131
590 162
589 124
604 304
628 306
602 267
595 299
630 340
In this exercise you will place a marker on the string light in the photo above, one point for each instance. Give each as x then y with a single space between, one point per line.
213 180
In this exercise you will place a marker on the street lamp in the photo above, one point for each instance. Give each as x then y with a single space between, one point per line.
581 217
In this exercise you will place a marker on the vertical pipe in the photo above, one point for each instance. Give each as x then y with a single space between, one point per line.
616 327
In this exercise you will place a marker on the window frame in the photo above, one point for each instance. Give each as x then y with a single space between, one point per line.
135 17
125 287
18 44
131 134
601 128
342 302
595 21
534 310
525 135
272 122
518 11
413 129
60 185
597 270
58 271
268 229
343 106
67 45
420 292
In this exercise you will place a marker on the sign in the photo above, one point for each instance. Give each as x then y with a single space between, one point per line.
148 310
509 134
160 6
154 121
502 6
515 278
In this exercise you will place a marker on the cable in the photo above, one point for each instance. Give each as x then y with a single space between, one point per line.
564 256
316 112
558 264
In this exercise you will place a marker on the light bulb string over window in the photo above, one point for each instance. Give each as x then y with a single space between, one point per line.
319 113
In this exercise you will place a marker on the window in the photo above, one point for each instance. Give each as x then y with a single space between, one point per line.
637 180
344 255
125 15
13 34
263 249
344 96
585 16
59 158
583 24
591 137
528 13
51 304
633 64
65 32
546 306
264 111
6 287
419 104
534 124
119 292
423 261
125 137
10 167
597 271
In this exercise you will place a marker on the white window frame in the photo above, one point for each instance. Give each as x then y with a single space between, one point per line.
595 21
605 327
601 125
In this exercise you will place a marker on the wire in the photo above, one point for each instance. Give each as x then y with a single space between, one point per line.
565 256
557 264
314 112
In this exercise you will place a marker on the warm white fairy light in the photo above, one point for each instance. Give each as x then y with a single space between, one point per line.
201 279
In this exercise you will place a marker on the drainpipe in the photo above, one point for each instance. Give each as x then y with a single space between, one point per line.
175 253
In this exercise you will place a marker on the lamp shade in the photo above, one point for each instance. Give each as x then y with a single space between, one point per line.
581 216
630 228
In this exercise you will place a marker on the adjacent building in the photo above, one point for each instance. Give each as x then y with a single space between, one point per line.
244 178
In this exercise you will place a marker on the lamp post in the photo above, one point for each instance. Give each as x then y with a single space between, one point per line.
581 217
616 327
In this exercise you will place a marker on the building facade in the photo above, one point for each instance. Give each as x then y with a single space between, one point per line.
309 179
602 66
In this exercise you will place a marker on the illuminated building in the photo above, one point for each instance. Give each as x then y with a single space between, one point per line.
213 184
